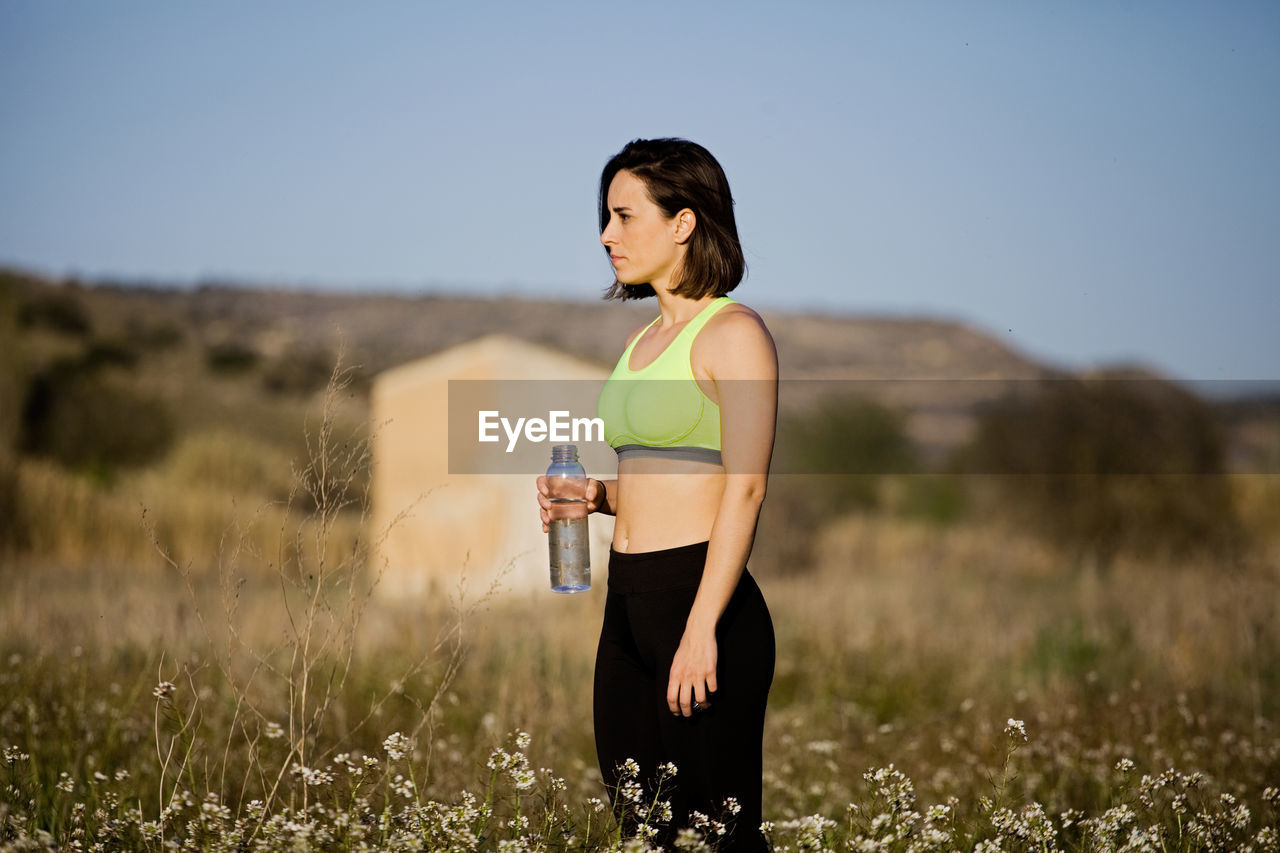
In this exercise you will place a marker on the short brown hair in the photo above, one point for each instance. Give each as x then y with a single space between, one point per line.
677 174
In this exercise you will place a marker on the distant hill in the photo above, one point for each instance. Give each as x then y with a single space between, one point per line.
384 330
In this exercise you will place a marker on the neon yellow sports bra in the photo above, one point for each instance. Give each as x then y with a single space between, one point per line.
660 410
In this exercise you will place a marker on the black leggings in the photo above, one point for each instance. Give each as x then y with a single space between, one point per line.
717 752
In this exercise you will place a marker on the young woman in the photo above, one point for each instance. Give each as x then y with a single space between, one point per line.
686 652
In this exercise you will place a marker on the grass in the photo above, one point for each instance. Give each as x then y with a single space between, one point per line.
907 664
244 685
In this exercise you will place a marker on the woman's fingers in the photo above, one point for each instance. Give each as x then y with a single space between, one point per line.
544 503
687 699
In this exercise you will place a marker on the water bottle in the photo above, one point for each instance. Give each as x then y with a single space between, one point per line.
567 491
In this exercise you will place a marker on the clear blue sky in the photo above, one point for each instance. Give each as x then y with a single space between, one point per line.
1092 181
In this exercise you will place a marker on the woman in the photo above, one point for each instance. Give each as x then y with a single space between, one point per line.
686 651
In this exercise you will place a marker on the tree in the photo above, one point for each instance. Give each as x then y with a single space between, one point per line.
1101 466
829 460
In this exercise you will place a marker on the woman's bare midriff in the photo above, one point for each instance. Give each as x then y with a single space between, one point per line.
665 504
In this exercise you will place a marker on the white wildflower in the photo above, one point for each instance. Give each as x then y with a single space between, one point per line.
396 745
311 776
1015 730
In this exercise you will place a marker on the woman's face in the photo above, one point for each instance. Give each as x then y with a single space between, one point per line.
643 245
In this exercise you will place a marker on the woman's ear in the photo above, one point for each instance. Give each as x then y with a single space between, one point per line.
686 220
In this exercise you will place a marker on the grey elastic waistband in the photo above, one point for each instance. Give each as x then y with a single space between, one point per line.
683 454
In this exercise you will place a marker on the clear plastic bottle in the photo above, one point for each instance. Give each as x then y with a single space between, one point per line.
567 491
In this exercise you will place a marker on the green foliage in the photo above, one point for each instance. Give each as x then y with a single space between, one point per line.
89 420
230 357
155 335
831 460
12 390
56 310
109 352
934 498
1101 467
12 370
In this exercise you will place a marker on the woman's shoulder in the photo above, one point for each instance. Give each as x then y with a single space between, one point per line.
736 320
736 335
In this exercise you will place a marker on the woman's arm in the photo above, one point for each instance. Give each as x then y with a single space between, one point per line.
744 365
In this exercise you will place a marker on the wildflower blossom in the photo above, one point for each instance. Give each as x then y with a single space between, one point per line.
396 746
402 786
1015 730
311 776
164 690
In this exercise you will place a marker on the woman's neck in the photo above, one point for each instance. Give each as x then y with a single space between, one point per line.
678 310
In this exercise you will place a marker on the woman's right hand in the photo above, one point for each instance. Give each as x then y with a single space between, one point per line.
595 499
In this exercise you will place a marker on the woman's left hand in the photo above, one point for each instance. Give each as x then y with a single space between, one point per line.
693 673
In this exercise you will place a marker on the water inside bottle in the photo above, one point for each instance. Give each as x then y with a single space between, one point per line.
567 521
570 555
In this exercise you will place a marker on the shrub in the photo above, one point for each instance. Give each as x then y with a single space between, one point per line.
1104 466
230 357
156 335
58 311
832 459
109 352
88 421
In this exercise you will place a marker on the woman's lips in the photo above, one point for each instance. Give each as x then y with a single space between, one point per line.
615 258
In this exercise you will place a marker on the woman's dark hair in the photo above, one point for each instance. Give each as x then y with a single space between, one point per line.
677 174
